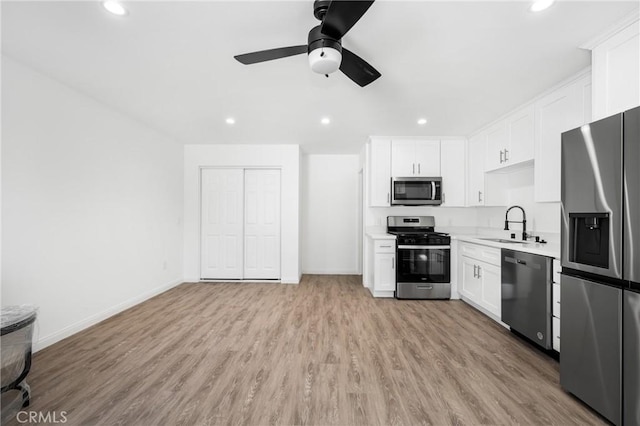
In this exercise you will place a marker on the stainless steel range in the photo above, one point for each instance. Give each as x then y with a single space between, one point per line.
423 256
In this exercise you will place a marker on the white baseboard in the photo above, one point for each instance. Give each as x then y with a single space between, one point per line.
101 316
330 272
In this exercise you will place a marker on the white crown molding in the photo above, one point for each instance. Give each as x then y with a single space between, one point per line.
631 19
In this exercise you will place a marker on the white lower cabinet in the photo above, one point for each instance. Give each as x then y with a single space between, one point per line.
384 268
480 278
384 274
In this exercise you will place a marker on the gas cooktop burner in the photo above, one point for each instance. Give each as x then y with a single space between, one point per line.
416 230
417 233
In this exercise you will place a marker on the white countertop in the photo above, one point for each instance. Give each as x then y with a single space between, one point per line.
548 249
380 235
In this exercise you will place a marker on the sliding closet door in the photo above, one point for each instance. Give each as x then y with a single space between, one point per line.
262 224
222 222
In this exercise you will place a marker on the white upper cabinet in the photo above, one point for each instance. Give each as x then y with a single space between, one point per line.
496 144
511 141
563 109
415 158
403 158
616 72
380 173
453 169
428 158
520 131
475 176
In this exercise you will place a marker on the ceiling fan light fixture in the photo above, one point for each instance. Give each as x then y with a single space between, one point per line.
325 60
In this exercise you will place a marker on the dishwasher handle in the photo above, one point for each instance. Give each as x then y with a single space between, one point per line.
521 262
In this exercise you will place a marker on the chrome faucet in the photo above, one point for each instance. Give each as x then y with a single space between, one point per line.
523 222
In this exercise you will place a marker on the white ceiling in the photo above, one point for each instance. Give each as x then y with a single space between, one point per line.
170 64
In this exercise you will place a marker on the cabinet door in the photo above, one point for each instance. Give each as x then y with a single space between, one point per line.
453 171
491 288
403 155
222 218
384 275
557 112
471 285
380 173
475 178
616 67
427 158
497 142
262 224
520 127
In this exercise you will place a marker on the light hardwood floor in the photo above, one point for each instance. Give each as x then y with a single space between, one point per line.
323 352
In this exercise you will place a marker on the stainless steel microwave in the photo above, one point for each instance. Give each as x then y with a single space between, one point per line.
416 191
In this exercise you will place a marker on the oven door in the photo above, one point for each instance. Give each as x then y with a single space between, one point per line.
423 264
416 191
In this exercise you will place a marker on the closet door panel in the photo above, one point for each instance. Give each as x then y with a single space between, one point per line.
262 224
221 223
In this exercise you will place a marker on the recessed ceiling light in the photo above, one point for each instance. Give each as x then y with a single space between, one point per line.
325 120
230 120
114 7
540 5
422 121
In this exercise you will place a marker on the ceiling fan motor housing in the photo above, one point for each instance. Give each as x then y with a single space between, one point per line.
320 8
325 53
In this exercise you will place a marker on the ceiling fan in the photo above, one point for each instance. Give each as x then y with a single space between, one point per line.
326 54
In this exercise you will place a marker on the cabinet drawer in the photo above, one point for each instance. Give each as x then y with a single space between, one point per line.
556 271
555 330
491 255
556 300
470 250
384 246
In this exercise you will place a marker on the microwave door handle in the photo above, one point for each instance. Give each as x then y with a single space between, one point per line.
433 190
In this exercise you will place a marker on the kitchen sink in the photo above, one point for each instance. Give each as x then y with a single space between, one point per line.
502 240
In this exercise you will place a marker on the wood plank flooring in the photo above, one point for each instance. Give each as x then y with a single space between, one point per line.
320 353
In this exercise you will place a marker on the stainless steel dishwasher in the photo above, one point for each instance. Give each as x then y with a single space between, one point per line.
526 295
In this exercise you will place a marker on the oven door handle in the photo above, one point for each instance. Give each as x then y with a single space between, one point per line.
424 247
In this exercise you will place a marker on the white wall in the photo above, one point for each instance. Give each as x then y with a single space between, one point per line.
330 211
91 205
285 157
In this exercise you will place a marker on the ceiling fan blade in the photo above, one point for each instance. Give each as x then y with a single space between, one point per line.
271 54
341 16
357 69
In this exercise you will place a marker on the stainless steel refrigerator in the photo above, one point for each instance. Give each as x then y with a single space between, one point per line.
600 290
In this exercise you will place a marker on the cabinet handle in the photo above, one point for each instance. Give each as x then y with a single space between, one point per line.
506 151
479 276
475 275
501 155
388 198
418 168
480 196
393 263
443 197
414 169
385 246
